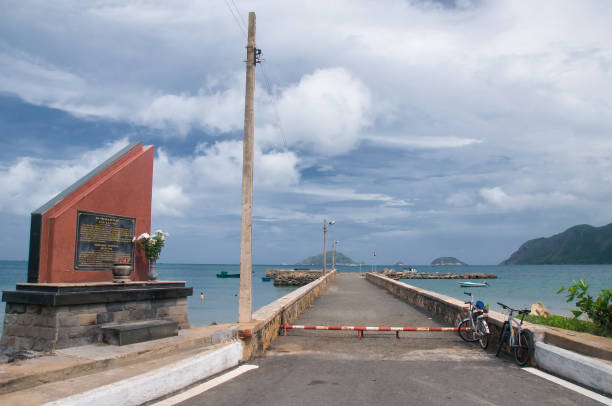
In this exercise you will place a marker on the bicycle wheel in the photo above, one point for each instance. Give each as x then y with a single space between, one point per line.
483 336
502 337
522 352
466 332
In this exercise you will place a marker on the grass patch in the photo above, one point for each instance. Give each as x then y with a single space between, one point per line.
568 323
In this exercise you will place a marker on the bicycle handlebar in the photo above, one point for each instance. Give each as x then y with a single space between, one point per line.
523 311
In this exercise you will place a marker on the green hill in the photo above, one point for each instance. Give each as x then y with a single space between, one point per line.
317 260
442 261
582 244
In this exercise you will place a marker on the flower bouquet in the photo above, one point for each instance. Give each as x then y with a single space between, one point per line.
152 245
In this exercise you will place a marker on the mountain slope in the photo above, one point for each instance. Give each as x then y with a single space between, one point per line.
582 244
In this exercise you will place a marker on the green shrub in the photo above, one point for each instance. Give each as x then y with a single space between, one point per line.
567 323
598 310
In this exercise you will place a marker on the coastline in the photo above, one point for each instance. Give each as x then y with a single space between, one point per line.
517 285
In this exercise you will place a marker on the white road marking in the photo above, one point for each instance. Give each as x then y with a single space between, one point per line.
588 393
196 390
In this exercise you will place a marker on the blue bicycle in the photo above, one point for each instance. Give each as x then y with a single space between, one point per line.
475 326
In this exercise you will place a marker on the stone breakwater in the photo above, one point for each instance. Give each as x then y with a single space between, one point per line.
390 273
292 277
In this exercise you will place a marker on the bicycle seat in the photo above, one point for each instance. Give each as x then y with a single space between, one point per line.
524 311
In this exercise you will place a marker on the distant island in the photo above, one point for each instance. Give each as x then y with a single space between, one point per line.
317 260
444 261
581 244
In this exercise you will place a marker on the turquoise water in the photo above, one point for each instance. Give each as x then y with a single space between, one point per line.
516 286
521 286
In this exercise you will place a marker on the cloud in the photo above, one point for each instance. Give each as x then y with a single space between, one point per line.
409 142
212 176
28 183
170 200
326 111
497 198
405 115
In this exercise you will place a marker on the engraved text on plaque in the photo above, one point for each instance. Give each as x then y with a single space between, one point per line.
102 240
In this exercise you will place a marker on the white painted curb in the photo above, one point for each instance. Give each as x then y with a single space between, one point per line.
585 370
152 385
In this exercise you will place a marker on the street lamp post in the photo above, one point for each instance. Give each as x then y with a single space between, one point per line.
331 223
334 256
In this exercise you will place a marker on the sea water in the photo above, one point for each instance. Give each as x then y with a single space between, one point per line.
516 286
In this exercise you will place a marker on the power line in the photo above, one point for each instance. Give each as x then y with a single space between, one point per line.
236 18
238 13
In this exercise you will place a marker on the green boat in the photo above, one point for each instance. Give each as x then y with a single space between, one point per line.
224 274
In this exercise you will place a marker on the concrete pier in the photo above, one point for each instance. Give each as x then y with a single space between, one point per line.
423 368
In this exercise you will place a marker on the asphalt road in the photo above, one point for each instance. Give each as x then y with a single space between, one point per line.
336 367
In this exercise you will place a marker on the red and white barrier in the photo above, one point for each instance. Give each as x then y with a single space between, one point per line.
361 329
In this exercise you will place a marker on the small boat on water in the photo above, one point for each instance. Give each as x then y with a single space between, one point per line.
224 274
265 279
473 284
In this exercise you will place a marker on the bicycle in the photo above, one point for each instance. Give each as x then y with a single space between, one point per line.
519 339
475 327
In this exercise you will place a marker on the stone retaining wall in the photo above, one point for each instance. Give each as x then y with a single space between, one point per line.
444 308
45 317
44 328
258 334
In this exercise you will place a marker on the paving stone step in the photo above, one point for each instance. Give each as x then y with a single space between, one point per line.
136 332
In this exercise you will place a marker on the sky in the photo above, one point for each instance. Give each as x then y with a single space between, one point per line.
422 128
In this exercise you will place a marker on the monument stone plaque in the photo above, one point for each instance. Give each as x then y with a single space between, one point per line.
103 239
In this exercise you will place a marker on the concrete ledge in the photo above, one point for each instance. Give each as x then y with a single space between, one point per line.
584 370
258 334
582 343
77 361
152 385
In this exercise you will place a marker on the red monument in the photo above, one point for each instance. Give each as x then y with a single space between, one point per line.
80 233
71 297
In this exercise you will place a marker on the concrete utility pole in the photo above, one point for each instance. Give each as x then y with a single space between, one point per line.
331 223
334 256
324 246
245 306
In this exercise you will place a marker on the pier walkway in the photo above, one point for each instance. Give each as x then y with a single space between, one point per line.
308 367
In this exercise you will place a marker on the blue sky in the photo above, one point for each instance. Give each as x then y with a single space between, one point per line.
423 129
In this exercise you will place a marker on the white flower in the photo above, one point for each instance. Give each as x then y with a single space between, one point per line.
144 236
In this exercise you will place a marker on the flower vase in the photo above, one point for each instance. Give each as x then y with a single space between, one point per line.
152 275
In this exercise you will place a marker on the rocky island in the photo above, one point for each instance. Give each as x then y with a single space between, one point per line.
446 261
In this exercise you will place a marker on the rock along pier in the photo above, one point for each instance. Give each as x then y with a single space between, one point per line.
413 274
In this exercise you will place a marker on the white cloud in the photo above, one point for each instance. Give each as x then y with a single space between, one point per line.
212 176
489 107
326 111
426 142
29 183
170 200
499 199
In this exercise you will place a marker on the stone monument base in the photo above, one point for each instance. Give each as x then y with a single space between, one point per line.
48 316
